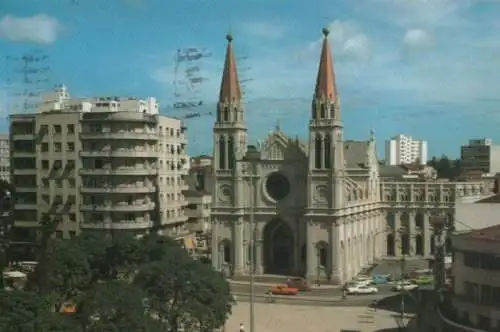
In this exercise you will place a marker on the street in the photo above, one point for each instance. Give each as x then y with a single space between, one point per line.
326 291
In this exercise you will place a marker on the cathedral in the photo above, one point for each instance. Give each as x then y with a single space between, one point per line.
318 209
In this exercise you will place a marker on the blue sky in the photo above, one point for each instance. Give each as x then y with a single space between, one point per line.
427 68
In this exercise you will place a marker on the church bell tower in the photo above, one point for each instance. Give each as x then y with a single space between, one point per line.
326 147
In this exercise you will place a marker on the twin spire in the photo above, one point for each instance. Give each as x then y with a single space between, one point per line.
230 89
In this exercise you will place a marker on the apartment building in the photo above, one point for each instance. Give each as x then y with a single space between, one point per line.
402 149
475 300
99 164
4 157
480 156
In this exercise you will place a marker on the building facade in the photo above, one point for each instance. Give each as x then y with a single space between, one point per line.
480 156
319 208
99 164
402 149
4 157
475 299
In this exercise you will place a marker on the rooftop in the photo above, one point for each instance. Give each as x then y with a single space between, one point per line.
491 234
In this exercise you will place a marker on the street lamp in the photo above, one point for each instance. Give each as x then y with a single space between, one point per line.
252 157
439 223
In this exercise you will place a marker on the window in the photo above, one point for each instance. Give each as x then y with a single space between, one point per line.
71 183
70 147
45 183
59 183
72 234
45 164
72 217
57 147
71 129
57 129
45 147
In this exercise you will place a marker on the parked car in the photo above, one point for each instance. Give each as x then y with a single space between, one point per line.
380 279
283 290
300 283
405 285
362 281
358 290
424 280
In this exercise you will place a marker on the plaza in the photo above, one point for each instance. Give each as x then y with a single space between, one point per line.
286 318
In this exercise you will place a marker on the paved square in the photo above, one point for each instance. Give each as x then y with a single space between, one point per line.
287 318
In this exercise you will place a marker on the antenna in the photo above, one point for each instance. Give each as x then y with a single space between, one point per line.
28 78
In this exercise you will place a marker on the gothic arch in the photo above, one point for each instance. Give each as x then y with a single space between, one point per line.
405 221
391 220
328 151
322 252
419 220
318 151
230 153
278 248
390 244
222 152
226 251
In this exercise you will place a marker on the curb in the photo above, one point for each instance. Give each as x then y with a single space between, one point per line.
350 302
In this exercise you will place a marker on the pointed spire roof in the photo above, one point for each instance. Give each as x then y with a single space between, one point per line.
230 89
325 82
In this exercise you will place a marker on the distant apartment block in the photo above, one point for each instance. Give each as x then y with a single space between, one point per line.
402 149
4 157
479 157
99 164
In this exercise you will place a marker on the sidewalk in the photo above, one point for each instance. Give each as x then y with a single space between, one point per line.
270 284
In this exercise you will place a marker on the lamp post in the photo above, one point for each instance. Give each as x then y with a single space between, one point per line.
438 223
252 157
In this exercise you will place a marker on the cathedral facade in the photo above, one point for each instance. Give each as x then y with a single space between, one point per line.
318 209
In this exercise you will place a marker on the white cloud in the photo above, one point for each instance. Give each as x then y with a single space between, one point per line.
40 29
417 39
348 43
263 29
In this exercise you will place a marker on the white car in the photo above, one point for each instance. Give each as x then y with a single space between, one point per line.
359 289
405 285
363 281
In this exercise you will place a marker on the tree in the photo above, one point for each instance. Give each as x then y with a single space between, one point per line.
115 306
27 312
7 201
184 293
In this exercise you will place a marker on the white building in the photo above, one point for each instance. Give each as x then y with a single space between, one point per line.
99 164
402 149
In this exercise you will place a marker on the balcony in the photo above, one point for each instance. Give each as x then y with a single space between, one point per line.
27 189
23 137
119 136
119 207
119 171
118 190
24 154
125 224
26 223
130 153
25 206
25 171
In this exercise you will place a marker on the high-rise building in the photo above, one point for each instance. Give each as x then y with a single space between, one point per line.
402 149
480 156
99 164
4 157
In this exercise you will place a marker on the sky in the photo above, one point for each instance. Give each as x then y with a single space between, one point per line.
425 68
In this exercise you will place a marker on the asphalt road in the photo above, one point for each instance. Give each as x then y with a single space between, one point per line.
326 292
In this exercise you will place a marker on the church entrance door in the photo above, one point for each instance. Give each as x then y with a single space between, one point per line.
278 248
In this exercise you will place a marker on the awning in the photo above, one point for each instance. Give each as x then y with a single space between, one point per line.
189 242
14 274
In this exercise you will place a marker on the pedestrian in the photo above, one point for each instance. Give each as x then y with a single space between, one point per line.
374 305
242 327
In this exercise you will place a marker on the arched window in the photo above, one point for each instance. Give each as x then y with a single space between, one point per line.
317 152
323 111
226 113
230 153
222 153
328 151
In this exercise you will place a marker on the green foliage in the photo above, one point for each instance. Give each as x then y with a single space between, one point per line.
120 283
445 167
26 312
186 292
